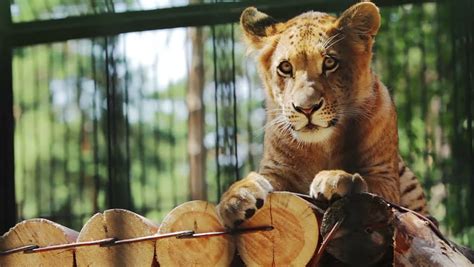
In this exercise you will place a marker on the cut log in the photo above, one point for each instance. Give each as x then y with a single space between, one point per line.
198 216
416 244
293 240
119 224
40 232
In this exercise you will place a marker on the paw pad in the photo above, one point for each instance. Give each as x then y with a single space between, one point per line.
243 199
249 213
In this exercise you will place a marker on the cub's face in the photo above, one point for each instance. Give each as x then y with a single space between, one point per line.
315 67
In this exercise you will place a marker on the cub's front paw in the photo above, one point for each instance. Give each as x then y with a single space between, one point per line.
243 199
328 186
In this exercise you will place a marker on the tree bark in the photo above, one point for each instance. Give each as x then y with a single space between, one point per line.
416 244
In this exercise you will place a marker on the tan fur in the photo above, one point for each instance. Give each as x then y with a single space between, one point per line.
353 130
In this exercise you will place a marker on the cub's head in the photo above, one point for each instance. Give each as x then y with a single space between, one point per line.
315 67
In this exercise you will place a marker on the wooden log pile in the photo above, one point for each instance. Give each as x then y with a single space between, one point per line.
289 230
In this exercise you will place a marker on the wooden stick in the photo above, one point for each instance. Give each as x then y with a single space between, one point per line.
39 232
119 224
321 250
293 240
199 216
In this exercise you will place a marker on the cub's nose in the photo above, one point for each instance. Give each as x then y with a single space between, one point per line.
308 111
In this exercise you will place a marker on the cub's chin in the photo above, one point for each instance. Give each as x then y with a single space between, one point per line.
315 135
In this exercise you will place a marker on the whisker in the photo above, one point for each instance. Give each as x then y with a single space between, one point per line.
328 40
277 120
335 42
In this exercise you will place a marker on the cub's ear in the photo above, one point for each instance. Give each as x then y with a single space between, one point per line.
362 19
258 26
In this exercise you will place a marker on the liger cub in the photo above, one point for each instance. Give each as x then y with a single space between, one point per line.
331 123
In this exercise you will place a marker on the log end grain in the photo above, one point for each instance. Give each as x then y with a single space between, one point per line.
293 240
120 224
198 216
40 232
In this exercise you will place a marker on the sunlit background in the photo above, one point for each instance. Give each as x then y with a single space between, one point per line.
105 121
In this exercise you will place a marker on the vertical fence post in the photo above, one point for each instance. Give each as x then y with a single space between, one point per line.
7 178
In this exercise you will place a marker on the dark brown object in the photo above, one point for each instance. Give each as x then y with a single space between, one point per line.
365 235
374 232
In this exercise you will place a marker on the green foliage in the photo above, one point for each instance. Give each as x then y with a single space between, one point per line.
27 10
415 51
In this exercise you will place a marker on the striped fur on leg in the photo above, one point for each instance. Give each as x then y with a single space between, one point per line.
411 192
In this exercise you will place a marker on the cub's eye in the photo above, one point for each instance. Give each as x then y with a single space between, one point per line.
285 69
330 64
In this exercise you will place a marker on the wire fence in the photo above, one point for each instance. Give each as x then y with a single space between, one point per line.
114 241
111 124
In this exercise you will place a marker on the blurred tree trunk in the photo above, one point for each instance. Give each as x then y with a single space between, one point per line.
114 123
196 124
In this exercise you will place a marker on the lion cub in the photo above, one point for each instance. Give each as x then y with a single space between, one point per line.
332 126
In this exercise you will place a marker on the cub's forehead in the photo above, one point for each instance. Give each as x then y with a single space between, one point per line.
305 35
310 26
312 17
